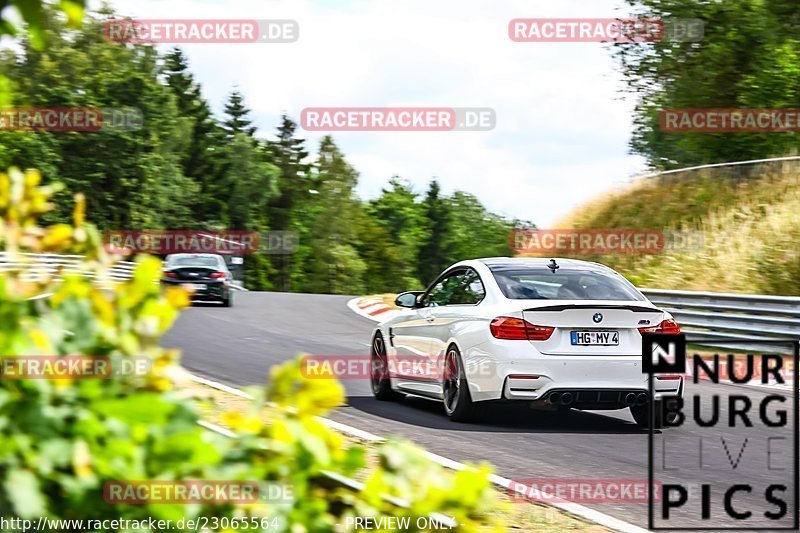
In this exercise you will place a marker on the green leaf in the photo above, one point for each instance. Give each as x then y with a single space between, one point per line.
22 489
56 452
74 11
145 408
31 11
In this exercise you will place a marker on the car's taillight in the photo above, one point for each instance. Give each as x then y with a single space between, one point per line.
504 327
538 333
510 328
217 275
669 326
170 275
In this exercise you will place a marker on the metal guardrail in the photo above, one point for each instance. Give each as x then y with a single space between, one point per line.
710 318
719 165
42 266
238 285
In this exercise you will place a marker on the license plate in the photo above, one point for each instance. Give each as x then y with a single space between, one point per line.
195 286
595 338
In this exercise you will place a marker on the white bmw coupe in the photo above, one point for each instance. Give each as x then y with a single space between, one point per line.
560 332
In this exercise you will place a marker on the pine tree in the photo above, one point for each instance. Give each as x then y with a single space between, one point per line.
176 69
336 266
398 210
433 253
295 183
130 178
238 116
200 160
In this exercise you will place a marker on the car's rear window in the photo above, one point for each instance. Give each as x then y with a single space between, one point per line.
540 283
193 260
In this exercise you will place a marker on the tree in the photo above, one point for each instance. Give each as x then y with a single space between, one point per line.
398 211
246 180
474 231
336 267
183 169
34 14
250 183
238 116
385 268
245 183
142 185
289 209
200 159
747 58
433 253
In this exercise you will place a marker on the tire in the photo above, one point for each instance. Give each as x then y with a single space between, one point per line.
379 373
228 301
641 414
457 400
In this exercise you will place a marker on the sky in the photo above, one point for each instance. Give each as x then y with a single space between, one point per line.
562 130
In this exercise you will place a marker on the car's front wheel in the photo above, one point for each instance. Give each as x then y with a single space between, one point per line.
379 371
458 404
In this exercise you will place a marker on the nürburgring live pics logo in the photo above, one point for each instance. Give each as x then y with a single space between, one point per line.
727 458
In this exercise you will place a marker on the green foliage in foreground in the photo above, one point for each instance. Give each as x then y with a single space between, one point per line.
63 439
33 15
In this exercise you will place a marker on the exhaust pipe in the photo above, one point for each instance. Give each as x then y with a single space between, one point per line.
630 399
555 397
566 398
641 398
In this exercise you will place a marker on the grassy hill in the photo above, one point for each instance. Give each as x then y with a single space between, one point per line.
747 219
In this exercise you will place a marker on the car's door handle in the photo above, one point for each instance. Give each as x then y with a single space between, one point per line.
429 318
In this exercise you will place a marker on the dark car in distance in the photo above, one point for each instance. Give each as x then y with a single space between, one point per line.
206 275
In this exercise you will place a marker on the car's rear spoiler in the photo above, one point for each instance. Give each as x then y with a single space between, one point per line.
563 307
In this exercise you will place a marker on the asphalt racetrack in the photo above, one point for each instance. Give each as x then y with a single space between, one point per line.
237 346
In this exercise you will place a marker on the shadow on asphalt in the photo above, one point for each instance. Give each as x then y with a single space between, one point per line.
494 417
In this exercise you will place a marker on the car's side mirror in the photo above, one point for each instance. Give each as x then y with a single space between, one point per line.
407 299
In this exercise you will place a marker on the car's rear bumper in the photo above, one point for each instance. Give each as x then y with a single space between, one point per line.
211 290
514 371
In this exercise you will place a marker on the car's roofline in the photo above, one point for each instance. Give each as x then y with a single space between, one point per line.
190 254
489 266
511 262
